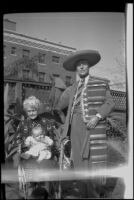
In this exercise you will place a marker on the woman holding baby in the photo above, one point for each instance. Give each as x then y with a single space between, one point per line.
33 140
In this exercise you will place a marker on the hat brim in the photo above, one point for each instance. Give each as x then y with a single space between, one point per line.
91 56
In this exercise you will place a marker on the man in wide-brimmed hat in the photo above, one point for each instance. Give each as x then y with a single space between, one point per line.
89 103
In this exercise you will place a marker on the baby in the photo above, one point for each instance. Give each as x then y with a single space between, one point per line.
39 144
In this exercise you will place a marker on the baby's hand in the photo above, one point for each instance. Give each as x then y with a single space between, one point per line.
28 141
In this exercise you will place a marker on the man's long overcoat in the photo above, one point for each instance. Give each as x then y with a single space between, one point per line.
67 100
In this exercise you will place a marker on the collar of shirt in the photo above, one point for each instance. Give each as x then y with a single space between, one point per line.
86 80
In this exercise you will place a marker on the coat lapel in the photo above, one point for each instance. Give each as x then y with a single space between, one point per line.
72 93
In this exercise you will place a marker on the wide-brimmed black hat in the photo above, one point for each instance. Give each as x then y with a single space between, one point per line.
91 56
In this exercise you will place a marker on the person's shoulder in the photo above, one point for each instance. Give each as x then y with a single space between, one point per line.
95 80
100 79
68 89
25 120
66 93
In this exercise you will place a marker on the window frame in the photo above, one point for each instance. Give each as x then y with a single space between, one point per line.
54 59
25 70
42 56
41 79
14 51
56 75
23 54
4 50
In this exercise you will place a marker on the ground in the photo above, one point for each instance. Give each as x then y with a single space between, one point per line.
114 187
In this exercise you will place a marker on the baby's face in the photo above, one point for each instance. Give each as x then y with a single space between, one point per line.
37 133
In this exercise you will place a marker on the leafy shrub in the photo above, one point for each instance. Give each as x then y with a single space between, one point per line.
116 128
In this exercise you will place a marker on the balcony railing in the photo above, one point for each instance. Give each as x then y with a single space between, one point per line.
119 97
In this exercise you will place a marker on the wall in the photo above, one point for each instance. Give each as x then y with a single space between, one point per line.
49 67
10 25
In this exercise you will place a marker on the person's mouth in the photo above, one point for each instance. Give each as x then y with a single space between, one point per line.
82 71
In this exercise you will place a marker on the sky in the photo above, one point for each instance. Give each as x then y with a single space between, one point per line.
100 31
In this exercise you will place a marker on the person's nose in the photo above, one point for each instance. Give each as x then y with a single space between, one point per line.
81 66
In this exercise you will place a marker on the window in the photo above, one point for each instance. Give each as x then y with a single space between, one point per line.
55 59
56 75
68 80
26 53
13 50
41 76
42 58
26 73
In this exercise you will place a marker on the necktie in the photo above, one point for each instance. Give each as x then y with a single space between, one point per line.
77 96
78 93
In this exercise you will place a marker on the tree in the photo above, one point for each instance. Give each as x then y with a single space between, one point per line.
121 59
18 65
119 72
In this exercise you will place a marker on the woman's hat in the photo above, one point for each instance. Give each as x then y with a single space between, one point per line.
91 56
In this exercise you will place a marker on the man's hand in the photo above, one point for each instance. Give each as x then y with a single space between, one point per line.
93 122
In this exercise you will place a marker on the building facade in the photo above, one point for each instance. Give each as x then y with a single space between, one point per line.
50 55
49 58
